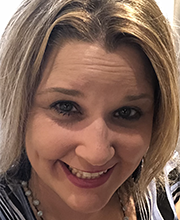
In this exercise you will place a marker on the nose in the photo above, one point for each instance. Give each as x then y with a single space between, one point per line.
96 144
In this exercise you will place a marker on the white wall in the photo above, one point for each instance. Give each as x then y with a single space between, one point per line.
167 7
8 7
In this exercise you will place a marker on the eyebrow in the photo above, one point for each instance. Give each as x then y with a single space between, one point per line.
141 96
76 93
70 92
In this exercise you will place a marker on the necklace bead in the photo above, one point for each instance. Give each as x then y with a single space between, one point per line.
40 213
23 183
35 202
28 193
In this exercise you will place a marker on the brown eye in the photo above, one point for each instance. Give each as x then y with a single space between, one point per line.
128 113
65 107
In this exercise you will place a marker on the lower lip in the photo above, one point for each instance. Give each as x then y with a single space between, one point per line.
86 183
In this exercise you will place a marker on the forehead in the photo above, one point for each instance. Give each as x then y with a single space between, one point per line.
79 61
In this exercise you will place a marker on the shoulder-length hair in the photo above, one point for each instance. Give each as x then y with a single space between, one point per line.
40 25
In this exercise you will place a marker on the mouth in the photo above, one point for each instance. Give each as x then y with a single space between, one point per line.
86 175
86 179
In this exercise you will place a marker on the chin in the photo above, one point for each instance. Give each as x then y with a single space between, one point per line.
87 205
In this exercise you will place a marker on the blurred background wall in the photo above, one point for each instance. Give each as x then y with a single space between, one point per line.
176 18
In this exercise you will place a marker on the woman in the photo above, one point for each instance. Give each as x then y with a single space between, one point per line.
89 110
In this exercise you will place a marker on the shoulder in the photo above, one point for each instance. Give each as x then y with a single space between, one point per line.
167 196
12 201
163 198
174 183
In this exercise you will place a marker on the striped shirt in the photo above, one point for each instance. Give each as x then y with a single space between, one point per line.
13 203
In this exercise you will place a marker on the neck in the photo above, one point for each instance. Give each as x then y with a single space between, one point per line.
54 207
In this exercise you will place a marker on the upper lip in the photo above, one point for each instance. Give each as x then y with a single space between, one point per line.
92 170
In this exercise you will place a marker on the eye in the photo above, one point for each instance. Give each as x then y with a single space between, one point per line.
128 113
65 107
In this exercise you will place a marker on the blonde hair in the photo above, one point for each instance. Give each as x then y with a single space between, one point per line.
40 25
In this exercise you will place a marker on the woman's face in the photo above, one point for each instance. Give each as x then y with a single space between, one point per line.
90 123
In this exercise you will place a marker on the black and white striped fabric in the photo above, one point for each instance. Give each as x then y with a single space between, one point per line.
13 203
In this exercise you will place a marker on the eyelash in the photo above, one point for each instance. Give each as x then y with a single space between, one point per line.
126 112
69 108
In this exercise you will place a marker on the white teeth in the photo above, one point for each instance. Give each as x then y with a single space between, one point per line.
78 175
86 175
74 171
94 175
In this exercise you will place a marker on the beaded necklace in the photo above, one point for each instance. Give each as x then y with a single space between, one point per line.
36 202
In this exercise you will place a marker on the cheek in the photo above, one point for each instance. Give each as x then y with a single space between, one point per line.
130 151
132 146
46 139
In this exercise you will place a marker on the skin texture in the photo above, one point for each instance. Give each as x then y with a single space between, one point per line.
178 209
109 124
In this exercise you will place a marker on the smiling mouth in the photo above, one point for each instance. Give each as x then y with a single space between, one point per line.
85 175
